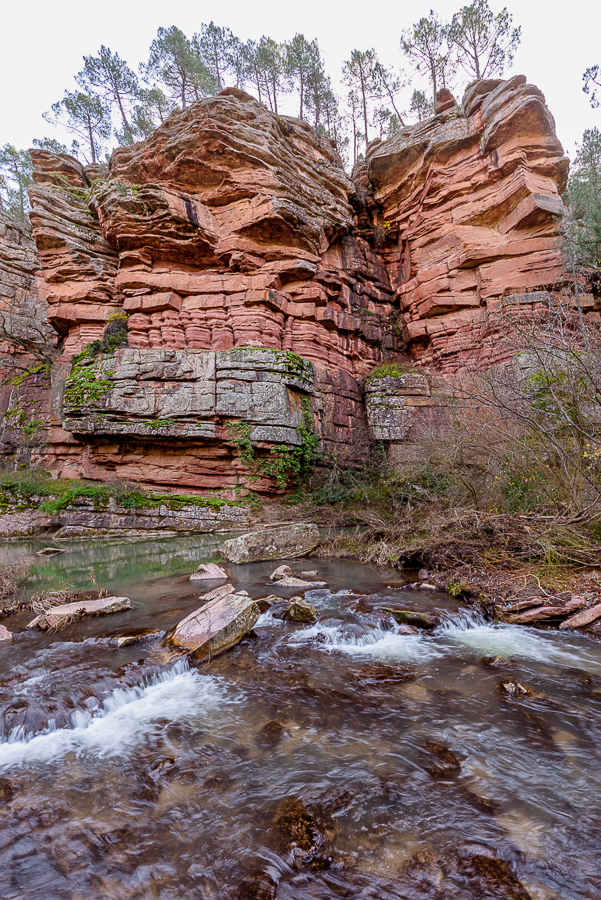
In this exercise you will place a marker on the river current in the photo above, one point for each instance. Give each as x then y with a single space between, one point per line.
344 759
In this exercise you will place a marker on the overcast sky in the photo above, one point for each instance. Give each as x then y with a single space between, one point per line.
42 44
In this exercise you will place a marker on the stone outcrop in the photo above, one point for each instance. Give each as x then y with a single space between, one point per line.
279 542
23 399
262 284
473 196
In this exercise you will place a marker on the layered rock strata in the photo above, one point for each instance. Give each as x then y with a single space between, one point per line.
474 195
26 340
239 249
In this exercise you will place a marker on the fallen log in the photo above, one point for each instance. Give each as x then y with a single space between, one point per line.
547 612
583 618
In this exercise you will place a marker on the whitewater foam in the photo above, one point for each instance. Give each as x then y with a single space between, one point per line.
123 719
518 641
374 643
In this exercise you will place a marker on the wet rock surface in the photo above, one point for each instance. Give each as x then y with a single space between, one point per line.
276 542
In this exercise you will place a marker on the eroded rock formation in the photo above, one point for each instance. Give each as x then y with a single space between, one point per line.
262 284
474 194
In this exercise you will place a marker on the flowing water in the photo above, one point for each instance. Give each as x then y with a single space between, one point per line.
345 759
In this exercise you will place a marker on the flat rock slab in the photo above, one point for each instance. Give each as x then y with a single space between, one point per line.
5 634
81 607
218 625
279 542
209 572
292 581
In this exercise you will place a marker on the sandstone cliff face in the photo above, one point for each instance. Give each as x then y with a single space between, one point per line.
475 195
23 400
239 248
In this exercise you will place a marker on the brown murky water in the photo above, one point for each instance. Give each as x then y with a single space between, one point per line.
341 760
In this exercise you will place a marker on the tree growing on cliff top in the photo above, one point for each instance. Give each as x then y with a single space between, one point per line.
425 43
214 46
110 78
362 75
176 63
86 116
303 63
484 42
592 83
15 178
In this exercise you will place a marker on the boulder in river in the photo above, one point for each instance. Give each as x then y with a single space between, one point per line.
60 616
218 625
277 542
412 617
5 634
299 610
284 577
209 572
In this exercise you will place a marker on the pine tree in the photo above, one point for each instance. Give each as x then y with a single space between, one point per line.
109 76
303 63
15 178
177 65
484 42
425 44
592 81
360 73
582 225
214 46
85 115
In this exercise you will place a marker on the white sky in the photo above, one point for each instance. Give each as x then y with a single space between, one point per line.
42 44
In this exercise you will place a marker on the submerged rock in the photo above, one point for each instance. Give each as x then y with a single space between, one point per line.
295 827
209 572
513 690
60 616
279 542
271 734
261 885
445 762
218 625
50 551
136 637
299 610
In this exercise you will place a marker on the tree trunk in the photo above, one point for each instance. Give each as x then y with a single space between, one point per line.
364 107
91 139
122 111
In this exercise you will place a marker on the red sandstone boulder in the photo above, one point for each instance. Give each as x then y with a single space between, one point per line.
218 625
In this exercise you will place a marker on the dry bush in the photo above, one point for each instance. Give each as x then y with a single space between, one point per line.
12 578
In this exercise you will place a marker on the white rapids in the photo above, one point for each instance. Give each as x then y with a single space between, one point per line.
123 719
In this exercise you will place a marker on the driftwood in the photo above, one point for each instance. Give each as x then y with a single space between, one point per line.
547 612
583 618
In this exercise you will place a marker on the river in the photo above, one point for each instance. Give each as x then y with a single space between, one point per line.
336 760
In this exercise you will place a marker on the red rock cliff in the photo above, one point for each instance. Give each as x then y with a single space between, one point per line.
231 227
